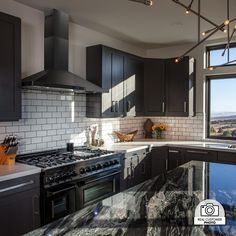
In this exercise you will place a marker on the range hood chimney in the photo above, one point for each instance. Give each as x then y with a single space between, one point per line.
56 76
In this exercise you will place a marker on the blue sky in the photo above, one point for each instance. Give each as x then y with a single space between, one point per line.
223 91
223 95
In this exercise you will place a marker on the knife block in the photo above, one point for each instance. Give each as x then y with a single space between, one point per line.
6 159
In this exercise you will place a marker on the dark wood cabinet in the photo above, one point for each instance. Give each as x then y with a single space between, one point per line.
159 160
227 157
154 87
19 204
175 157
10 71
177 87
133 86
119 73
169 87
200 155
136 169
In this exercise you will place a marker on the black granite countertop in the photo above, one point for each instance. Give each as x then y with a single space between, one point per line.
164 205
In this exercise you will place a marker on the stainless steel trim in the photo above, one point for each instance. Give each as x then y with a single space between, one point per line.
198 152
185 106
16 186
174 151
163 107
62 190
103 177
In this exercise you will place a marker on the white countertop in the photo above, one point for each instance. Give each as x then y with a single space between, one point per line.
8 172
145 143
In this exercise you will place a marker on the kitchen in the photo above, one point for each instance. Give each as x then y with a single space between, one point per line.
135 76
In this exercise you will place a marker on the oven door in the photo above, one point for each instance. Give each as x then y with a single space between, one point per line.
59 202
98 188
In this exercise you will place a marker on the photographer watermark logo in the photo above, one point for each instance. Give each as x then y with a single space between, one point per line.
209 212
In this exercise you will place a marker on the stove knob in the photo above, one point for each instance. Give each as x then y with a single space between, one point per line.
82 171
111 163
106 164
99 166
93 168
87 169
116 162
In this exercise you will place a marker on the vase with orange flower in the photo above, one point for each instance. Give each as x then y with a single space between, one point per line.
158 130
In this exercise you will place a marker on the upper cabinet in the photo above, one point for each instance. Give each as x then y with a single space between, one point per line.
10 69
154 87
137 86
179 88
169 87
121 75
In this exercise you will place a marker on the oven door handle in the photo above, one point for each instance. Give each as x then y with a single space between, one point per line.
61 191
103 177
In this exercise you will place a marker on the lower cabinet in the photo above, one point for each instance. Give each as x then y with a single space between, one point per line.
159 160
175 157
200 155
227 157
19 204
136 169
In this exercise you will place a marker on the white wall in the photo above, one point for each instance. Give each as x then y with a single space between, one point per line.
201 71
81 37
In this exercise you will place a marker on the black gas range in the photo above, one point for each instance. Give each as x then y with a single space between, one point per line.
73 180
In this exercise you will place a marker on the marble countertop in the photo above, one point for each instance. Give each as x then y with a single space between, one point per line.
145 143
8 172
164 205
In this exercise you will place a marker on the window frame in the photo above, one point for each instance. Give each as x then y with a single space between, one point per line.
208 91
216 47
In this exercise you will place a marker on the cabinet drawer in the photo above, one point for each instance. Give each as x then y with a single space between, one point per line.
200 155
19 184
227 157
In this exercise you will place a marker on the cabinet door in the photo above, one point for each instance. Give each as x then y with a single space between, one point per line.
107 106
227 157
175 158
159 160
117 83
200 155
177 87
133 86
154 87
10 70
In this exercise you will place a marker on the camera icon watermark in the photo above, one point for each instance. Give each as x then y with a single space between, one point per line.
209 212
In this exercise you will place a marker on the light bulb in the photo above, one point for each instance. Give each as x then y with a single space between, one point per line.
235 27
149 2
211 68
203 33
187 11
226 22
225 30
177 60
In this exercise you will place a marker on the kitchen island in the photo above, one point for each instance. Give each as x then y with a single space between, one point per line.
163 205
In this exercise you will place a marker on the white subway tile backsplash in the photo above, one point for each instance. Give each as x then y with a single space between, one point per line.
47 122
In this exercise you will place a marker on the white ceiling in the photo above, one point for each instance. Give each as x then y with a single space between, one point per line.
163 24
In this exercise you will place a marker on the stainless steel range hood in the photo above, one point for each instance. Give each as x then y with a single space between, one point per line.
56 75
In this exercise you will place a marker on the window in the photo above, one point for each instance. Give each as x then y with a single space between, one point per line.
215 58
222 107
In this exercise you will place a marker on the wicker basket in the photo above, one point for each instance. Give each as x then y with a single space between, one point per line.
126 137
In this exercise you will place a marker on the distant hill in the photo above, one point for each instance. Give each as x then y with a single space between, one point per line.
224 117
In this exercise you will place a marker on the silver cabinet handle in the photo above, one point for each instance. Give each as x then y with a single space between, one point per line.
166 164
197 152
113 106
185 106
16 186
174 151
128 106
117 106
163 107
